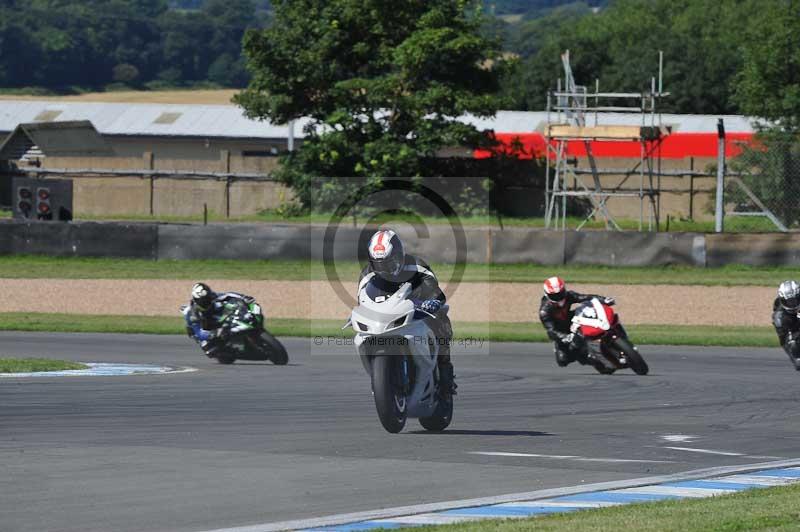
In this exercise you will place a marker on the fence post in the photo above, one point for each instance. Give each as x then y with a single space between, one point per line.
720 206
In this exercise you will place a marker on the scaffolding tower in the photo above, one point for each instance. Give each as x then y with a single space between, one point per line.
576 115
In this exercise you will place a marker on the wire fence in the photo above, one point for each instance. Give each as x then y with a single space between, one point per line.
765 181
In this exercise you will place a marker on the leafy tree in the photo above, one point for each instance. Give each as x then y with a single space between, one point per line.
619 46
769 83
382 80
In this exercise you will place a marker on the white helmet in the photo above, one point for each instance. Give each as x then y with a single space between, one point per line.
386 255
789 295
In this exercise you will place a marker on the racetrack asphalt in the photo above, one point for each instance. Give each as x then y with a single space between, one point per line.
255 443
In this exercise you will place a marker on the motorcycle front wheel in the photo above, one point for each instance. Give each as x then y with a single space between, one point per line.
635 360
224 358
441 417
273 349
390 401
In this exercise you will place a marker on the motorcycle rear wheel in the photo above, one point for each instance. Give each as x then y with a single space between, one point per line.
273 349
635 360
390 402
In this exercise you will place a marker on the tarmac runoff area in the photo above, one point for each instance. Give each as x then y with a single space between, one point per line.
256 445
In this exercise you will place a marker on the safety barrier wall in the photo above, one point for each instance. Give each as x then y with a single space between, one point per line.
435 243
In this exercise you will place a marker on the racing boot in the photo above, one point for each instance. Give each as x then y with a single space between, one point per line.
447 380
561 358
601 366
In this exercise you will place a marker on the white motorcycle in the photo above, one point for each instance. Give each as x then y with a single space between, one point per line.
399 351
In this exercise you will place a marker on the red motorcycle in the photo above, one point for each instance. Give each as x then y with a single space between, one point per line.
606 339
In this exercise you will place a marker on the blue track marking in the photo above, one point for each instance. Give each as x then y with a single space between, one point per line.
511 511
582 501
791 473
614 496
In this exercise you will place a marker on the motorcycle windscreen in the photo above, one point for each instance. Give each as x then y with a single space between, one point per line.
596 320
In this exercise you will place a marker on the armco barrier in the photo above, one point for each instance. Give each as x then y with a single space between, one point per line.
768 249
82 239
233 241
434 243
634 249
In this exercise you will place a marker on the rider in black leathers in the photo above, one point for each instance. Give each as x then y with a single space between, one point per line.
786 321
202 315
556 313
389 267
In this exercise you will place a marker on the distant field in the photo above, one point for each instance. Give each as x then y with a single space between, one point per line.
41 267
207 97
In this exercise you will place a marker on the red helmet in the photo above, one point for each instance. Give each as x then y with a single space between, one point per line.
554 289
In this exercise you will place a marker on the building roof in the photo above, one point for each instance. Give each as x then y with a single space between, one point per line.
151 119
145 119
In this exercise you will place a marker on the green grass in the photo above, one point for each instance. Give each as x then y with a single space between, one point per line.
28 365
773 509
500 331
42 267
5 213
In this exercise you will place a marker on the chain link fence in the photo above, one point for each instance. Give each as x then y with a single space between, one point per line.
764 181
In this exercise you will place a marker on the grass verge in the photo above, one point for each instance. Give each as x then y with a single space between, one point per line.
42 267
29 365
699 335
773 509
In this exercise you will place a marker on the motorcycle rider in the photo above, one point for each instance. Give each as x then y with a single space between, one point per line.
204 309
556 313
389 267
785 318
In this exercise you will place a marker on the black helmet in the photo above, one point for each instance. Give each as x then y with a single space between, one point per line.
789 295
386 255
202 295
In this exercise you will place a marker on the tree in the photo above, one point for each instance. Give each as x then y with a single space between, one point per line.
619 46
382 80
768 85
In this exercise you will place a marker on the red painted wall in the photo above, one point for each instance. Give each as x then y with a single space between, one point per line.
675 146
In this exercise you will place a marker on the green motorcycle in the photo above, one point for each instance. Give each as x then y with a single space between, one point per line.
241 335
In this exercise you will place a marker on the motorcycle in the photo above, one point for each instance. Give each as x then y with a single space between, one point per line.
399 351
606 339
242 336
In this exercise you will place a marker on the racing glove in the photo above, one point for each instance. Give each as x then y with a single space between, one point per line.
609 301
222 333
431 306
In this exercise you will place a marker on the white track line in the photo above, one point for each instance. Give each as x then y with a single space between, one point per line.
568 457
673 490
678 438
704 451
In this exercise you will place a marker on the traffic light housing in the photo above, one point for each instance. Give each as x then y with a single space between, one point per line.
24 205
44 211
42 199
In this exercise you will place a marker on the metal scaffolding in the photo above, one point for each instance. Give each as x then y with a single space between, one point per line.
576 115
